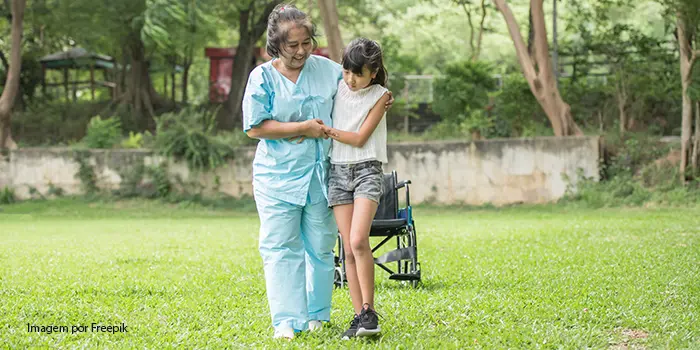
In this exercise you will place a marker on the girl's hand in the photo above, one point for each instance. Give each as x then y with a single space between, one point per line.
330 132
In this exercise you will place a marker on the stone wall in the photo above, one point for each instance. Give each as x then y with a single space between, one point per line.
499 172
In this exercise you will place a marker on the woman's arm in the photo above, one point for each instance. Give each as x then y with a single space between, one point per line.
358 139
272 129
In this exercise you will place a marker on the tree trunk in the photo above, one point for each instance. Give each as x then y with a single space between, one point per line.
9 93
476 135
687 58
173 83
329 14
468 12
482 28
250 30
541 80
696 139
531 37
475 47
140 93
621 92
3 60
187 63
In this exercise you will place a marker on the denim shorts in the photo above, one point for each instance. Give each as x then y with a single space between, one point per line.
350 181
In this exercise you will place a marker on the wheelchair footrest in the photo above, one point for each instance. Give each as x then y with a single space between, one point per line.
396 255
406 276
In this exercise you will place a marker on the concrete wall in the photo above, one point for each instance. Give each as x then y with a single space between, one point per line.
491 171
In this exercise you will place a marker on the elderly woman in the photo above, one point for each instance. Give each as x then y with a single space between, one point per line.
287 102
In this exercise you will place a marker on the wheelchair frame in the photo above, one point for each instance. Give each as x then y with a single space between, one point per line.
390 222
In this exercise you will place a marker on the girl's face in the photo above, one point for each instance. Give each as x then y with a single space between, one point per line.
358 81
297 48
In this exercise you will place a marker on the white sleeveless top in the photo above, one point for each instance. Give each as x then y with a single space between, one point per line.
349 112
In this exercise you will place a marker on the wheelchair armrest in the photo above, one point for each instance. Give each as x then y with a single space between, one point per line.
405 184
402 184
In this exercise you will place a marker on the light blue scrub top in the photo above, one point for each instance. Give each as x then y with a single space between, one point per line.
283 169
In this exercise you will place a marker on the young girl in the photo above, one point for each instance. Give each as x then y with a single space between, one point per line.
356 178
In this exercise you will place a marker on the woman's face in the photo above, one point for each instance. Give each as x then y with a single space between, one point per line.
297 48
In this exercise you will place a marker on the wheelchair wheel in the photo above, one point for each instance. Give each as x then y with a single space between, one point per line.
415 265
339 278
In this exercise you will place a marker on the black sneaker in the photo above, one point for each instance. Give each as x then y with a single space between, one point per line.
369 322
350 333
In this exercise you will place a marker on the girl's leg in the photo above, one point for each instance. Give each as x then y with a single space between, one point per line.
282 251
343 216
362 216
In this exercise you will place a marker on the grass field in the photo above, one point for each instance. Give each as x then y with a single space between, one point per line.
191 277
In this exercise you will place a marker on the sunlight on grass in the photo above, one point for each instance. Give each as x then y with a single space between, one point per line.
191 277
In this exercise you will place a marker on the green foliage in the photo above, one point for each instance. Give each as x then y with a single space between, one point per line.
445 130
55 190
131 184
86 172
136 140
464 87
161 181
631 153
103 133
176 26
592 103
190 136
396 60
145 182
7 195
52 122
34 193
476 121
633 177
626 190
517 112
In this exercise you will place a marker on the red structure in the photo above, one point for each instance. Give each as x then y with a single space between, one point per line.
221 63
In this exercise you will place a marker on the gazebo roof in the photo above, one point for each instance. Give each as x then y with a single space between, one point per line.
76 58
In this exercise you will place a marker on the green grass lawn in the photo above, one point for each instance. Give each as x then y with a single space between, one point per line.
191 277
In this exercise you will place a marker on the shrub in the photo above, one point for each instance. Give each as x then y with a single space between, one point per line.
103 133
190 136
464 87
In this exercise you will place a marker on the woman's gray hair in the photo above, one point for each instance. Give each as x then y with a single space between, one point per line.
277 31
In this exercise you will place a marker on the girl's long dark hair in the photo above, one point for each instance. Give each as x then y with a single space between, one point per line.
365 52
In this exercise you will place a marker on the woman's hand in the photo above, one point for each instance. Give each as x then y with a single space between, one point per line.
313 128
389 103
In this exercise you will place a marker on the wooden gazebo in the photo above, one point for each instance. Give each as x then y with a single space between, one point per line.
77 59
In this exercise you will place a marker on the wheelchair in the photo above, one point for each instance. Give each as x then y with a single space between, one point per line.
390 222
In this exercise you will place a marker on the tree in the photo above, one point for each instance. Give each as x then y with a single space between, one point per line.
124 30
538 71
469 8
9 93
686 27
329 14
252 24
176 28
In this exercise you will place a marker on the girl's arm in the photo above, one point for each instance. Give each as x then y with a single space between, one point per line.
358 139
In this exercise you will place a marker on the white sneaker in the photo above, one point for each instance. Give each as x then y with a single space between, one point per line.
284 332
315 325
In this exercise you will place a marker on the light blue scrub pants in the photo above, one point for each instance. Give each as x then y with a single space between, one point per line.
296 245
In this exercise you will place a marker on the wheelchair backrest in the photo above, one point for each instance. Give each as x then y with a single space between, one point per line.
389 203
